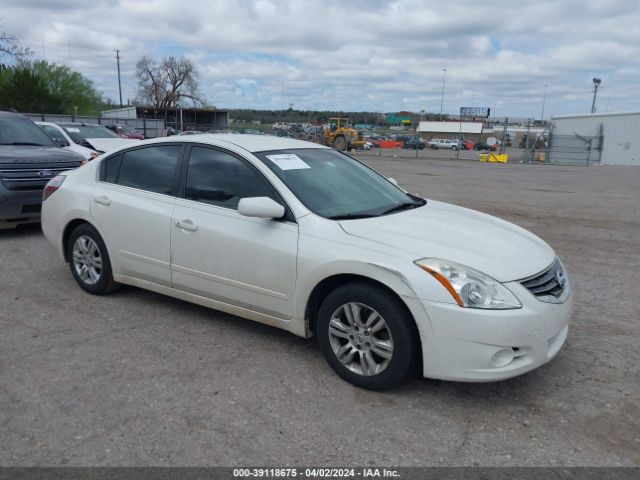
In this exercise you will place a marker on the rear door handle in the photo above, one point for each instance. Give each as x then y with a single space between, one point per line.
102 200
187 225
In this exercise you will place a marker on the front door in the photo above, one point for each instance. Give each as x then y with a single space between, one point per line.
222 255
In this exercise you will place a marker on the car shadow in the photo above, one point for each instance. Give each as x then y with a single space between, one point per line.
474 395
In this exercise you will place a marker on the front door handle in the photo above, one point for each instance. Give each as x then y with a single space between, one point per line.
102 200
187 225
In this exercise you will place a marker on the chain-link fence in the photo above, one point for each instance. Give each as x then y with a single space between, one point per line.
149 127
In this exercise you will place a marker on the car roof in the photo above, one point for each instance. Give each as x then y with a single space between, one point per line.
9 113
77 124
249 142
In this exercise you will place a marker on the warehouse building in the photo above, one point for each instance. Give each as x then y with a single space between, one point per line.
467 130
604 138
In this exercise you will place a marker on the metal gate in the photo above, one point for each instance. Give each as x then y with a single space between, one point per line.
573 149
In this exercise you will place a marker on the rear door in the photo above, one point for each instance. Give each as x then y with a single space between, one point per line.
225 256
132 207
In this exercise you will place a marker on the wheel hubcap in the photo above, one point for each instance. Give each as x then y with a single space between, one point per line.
360 338
87 260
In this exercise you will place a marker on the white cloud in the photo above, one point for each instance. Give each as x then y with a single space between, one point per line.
362 55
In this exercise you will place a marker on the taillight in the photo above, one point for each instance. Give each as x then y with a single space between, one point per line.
53 185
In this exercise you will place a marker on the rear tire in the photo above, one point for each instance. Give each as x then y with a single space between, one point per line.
89 260
368 336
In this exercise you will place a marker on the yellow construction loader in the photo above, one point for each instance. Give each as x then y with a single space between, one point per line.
340 135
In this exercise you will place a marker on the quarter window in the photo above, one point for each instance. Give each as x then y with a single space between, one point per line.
149 168
221 179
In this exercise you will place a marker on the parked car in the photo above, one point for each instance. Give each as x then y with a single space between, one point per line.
58 135
92 136
436 143
308 239
481 146
414 143
467 145
126 131
29 158
191 132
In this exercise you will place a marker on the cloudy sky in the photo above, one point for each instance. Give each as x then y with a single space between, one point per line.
357 54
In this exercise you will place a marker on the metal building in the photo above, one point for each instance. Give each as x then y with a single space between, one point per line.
605 138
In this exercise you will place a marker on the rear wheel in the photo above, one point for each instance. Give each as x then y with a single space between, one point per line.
340 143
367 336
89 260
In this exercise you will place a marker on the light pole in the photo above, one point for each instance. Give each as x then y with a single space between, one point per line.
544 99
596 84
444 71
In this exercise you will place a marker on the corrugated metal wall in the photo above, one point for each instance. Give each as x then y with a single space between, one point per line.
621 132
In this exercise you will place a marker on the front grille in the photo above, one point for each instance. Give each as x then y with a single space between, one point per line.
25 176
548 285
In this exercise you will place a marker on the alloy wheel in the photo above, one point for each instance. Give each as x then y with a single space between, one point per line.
87 259
360 339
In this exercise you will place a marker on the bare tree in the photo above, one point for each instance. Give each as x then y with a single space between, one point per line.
10 47
167 84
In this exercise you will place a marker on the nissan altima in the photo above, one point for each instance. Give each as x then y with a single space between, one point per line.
308 239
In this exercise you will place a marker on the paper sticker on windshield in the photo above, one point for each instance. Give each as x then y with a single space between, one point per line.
73 130
288 161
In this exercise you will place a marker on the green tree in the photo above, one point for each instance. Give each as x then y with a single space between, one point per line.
48 88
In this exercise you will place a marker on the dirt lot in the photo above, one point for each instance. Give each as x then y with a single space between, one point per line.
140 379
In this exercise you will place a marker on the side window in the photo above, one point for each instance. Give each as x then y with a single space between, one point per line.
109 168
150 168
221 179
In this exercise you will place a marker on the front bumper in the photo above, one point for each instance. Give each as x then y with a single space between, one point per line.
475 345
17 207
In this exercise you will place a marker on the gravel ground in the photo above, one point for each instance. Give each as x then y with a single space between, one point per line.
136 378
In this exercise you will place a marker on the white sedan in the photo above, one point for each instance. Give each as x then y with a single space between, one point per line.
308 239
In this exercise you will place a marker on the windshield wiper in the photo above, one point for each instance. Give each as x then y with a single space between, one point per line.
352 216
30 144
403 206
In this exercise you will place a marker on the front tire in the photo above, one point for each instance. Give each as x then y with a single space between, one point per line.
367 336
340 143
89 260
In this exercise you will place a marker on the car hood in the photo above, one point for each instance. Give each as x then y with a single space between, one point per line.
495 247
32 154
108 144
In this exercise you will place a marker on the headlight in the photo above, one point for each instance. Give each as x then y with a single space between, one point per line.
468 287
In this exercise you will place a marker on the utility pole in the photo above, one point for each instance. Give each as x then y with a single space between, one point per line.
544 99
119 82
444 71
596 84
290 108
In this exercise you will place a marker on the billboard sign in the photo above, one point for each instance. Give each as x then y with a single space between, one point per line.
482 112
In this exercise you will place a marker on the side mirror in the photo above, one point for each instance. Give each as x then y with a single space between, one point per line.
394 181
61 142
260 207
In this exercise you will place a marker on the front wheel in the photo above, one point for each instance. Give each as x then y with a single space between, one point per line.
340 143
367 336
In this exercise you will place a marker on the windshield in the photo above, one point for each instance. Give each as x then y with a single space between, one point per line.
79 133
127 129
335 185
22 131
